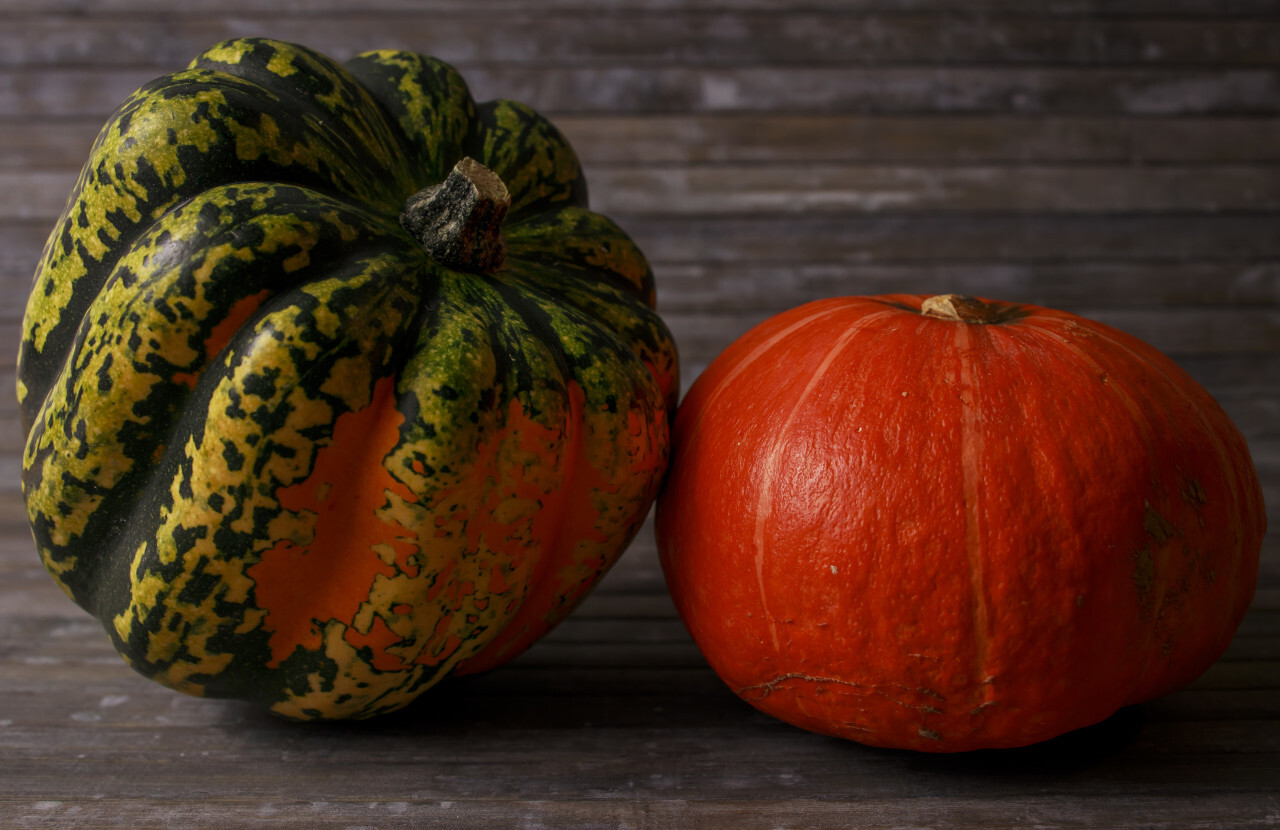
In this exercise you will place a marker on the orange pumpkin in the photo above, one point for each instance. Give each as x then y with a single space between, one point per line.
947 524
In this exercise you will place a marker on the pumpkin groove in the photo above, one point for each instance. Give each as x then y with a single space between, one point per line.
278 449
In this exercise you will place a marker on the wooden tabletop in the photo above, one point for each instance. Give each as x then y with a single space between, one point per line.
1118 159
613 721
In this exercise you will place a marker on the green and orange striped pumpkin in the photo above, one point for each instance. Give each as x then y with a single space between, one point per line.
289 451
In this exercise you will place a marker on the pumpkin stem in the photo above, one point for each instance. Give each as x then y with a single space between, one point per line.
459 221
964 309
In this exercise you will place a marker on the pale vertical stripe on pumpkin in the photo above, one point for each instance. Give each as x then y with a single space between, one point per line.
773 459
745 363
971 448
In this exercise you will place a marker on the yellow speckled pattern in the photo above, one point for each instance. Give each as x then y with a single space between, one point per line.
281 453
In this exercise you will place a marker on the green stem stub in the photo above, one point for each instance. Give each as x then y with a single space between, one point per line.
459 221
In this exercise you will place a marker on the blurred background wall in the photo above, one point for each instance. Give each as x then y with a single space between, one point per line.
1119 158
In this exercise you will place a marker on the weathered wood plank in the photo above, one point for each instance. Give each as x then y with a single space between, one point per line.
570 739
904 138
953 239
1235 374
891 90
1232 321
1179 334
864 240
1238 675
1175 812
745 286
1256 413
60 93
993 138
700 746
735 287
36 196
689 37
811 189
556 91
814 189
55 143
1252 404
1092 8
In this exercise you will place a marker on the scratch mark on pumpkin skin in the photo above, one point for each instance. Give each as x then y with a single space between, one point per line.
770 686
760 691
1193 493
1157 526
982 707
1144 578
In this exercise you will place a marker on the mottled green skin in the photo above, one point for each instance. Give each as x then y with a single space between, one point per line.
229 281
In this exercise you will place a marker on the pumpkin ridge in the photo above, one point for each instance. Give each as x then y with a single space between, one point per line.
310 83
616 314
184 504
146 428
773 458
341 511
971 448
1241 491
430 103
531 155
513 370
575 239
158 141
593 349
1060 328
1179 385
744 363
540 581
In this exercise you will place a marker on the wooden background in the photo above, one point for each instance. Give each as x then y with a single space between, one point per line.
1118 159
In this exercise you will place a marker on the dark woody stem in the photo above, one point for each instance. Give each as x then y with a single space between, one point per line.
459 221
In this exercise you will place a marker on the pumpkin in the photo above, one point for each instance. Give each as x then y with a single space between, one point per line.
333 385
947 523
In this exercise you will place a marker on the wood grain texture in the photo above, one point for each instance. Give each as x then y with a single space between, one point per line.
747 138
689 36
1116 158
685 190
614 721
787 89
1200 9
